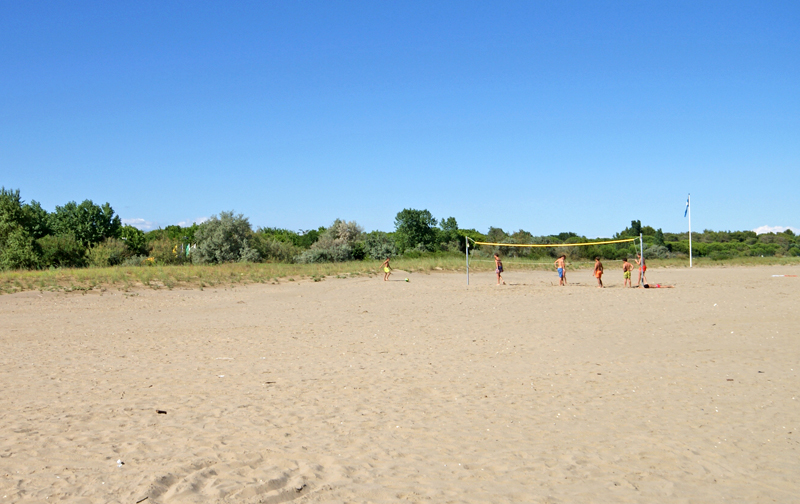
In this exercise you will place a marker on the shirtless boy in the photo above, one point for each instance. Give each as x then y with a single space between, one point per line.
387 270
498 268
598 272
561 266
626 273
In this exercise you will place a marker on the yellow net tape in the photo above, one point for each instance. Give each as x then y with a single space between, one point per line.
553 244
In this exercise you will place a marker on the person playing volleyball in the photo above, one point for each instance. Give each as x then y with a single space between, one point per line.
626 273
598 272
561 266
498 268
387 270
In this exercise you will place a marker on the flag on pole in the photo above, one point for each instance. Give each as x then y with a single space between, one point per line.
687 207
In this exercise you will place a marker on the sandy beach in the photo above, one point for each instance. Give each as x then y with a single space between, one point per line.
359 390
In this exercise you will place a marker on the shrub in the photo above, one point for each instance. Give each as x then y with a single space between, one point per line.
62 251
656 252
271 249
17 249
165 251
379 245
111 252
337 244
138 260
224 239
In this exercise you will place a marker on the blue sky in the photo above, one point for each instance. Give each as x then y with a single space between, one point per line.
543 116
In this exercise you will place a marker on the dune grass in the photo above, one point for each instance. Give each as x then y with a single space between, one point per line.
201 276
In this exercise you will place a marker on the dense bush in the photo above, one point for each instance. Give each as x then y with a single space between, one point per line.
16 249
379 245
656 252
166 251
270 249
62 251
224 239
336 244
111 252
301 240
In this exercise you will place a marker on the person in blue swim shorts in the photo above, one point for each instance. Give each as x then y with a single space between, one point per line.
561 266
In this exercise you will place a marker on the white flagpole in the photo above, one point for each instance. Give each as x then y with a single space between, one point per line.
689 204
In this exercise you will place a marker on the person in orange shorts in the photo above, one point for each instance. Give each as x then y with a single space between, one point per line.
598 272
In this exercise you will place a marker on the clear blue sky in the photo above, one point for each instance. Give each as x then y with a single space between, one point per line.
546 116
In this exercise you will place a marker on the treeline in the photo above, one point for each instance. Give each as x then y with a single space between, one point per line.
717 245
87 234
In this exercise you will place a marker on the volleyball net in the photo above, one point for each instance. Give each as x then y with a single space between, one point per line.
550 245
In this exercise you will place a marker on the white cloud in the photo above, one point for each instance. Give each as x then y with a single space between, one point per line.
188 223
142 224
775 229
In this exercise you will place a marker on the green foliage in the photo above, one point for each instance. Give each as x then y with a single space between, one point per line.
11 212
174 233
337 244
473 235
17 249
134 239
37 220
496 235
380 245
271 249
89 223
302 240
659 237
414 229
224 239
110 252
657 252
62 251
165 251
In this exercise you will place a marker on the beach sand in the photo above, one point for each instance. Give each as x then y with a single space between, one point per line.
359 390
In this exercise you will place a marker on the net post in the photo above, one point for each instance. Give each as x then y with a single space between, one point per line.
641 247
689 210
466 241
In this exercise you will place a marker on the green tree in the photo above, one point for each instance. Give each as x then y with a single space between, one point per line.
17 249
659 237
36 220
89 223
134 239
415 229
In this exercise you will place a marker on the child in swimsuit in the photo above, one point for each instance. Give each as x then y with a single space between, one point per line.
561 266
642 269
498 268
387 270
626 273
598 272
